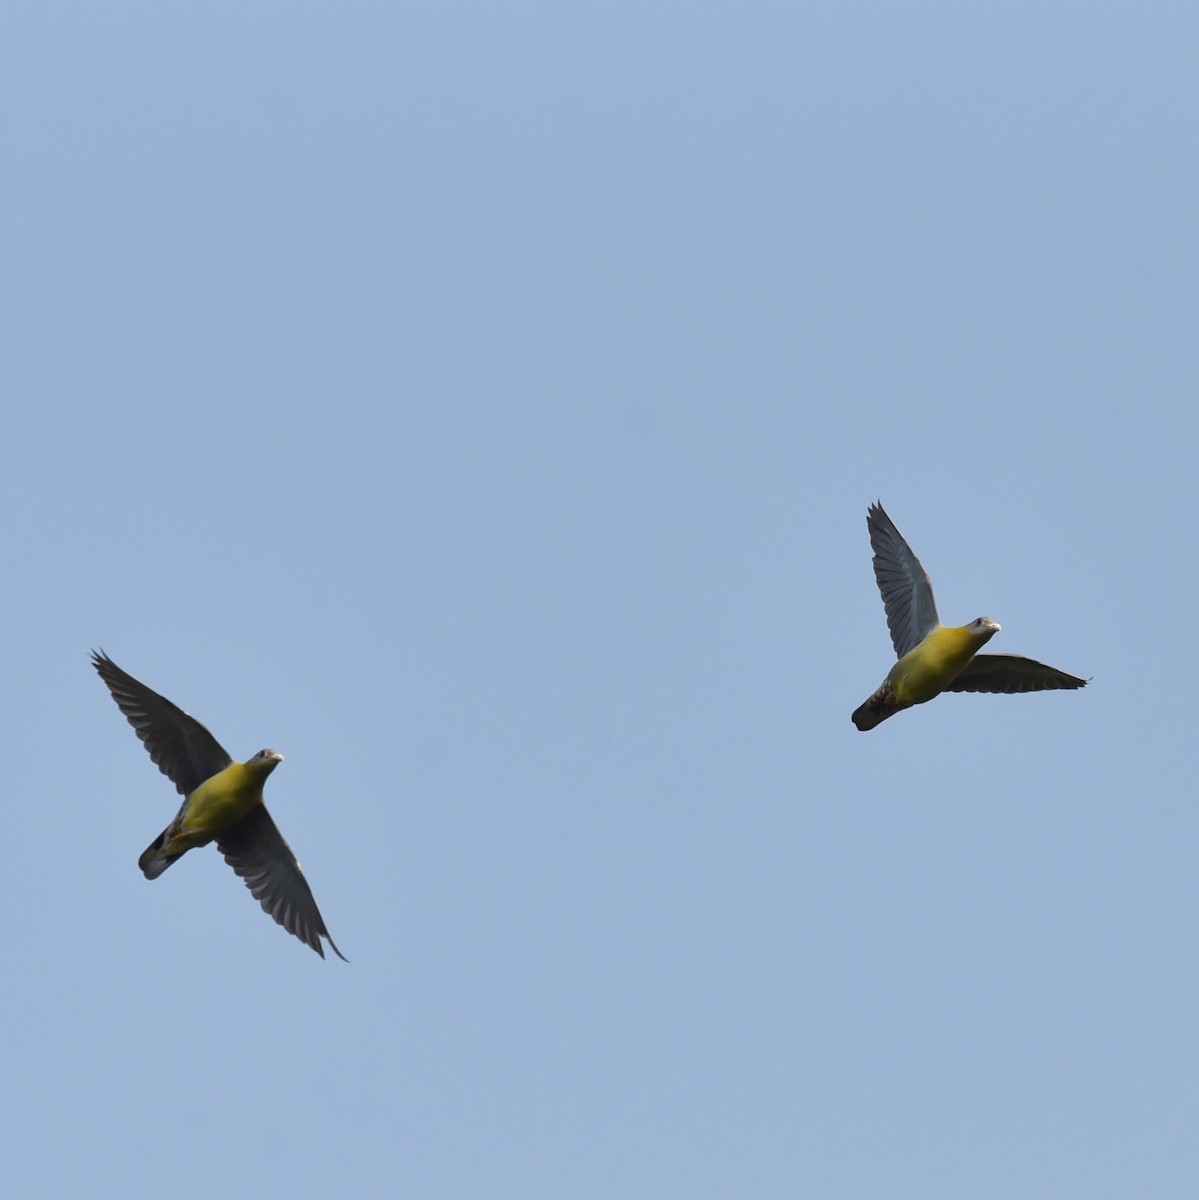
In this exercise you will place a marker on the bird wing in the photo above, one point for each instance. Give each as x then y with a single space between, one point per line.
1011 673
257 851
185 752
903 582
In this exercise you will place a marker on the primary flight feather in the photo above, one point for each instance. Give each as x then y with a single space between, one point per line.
935 658
222 802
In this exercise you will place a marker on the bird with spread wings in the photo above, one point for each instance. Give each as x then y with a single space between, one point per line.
935 658
222 802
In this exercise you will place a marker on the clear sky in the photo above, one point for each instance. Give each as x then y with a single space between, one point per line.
480 404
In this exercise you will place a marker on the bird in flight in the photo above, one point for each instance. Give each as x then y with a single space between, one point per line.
222 802
935 658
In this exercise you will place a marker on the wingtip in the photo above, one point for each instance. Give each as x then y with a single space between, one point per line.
319 946
876 516
104 665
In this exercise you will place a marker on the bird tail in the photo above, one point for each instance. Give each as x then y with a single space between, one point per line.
877 709
154 860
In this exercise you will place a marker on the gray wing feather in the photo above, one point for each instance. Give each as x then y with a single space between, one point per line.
257 851
184 751
903 582
1011 673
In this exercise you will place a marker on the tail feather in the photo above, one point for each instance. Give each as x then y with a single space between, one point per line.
153 861
877 709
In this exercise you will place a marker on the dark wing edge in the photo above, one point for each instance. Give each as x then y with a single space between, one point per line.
902 581
1011 674
257 851
182 749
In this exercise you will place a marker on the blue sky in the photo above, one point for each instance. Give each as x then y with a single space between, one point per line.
480 404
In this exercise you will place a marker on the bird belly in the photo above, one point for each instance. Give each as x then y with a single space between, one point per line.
930 667
219 802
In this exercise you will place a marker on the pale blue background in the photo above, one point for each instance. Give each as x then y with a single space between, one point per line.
480 403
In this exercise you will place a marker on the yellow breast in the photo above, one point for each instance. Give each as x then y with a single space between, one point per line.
929 668
222 799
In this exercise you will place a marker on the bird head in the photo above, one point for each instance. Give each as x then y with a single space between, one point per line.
265 761
982 629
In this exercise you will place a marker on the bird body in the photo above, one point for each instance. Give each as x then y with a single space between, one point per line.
222 803
218 804
935 658
928 670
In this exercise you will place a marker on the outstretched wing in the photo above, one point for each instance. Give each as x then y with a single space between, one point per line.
903 582
256 850
1011 673
185 752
